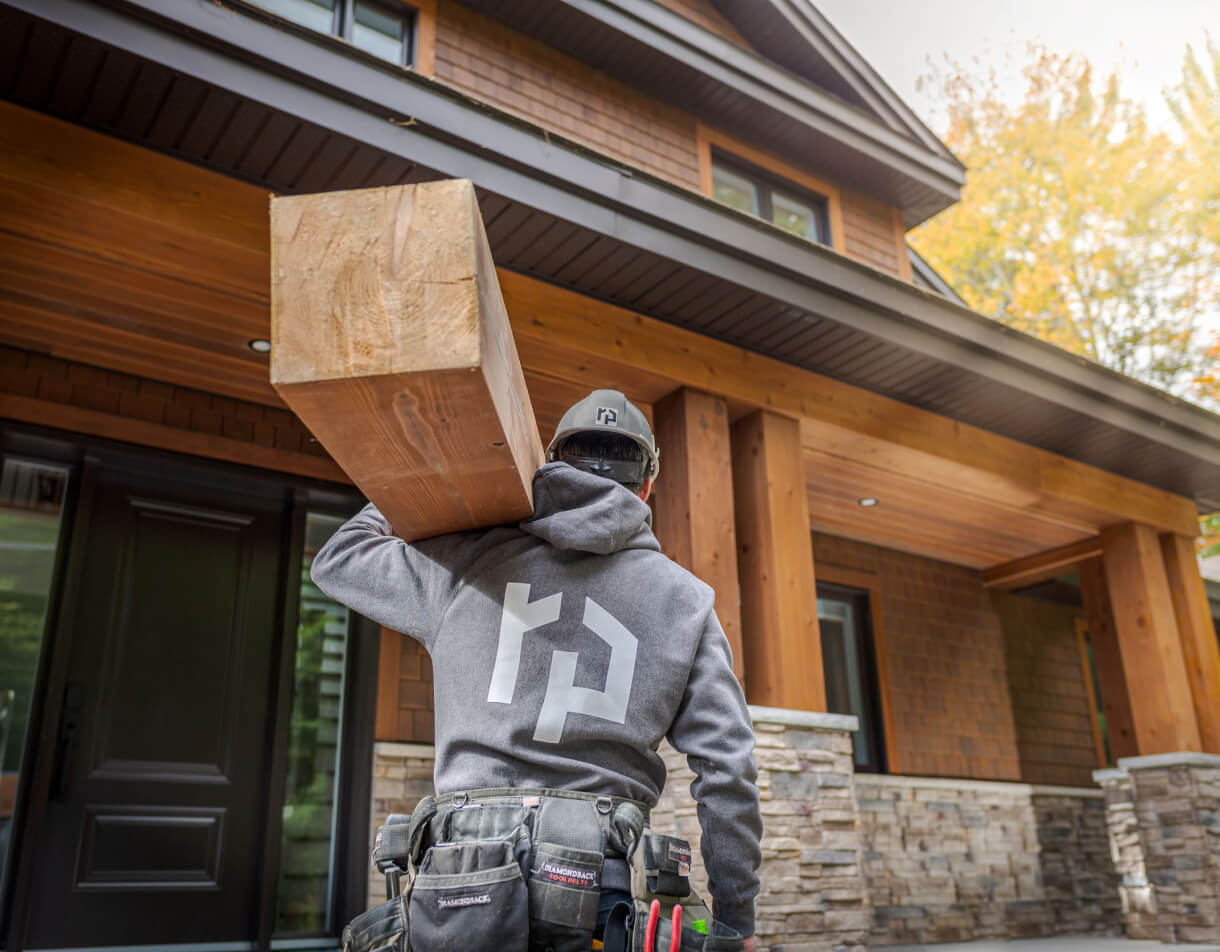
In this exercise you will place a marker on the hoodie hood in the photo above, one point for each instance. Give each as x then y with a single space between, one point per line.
575 510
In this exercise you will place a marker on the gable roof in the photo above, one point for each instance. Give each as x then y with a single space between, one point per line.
647 44
796 35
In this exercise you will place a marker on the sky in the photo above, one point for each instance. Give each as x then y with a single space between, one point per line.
1144 39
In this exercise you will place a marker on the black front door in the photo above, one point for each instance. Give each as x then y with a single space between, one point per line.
154 827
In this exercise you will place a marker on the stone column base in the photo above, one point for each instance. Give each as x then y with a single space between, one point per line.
1163 813
813 896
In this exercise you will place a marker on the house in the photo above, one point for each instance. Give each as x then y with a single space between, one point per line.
955 563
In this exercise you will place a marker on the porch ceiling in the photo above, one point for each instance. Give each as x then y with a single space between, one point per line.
278 108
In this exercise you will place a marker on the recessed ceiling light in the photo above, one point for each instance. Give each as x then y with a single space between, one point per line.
868 502
260 346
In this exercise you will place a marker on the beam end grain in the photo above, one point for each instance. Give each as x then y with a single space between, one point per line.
390 340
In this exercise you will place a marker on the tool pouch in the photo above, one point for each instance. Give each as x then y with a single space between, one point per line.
565 876
380 929
469 895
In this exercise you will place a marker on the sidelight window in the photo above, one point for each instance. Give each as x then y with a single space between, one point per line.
31 510
312 790
849 669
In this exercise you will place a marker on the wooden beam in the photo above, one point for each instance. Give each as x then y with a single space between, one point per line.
1144 617
146 433
391 343
389 660
562 332
1041 567
1108 660
779 610
1197 630
694 500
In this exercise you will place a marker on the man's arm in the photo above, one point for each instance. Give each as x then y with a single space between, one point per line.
404 586
713 729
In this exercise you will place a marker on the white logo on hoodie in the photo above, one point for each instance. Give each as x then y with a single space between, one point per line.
519 616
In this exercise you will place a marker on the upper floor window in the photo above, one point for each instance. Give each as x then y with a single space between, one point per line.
378 27
779 201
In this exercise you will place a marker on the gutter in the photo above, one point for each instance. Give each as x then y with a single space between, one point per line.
314 79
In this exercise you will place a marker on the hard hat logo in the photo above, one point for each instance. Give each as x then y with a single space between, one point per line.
609 411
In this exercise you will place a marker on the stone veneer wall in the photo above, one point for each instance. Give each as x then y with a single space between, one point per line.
950 860
1164 823
813 897
402 776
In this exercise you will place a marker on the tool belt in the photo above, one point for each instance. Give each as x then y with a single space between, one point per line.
521 870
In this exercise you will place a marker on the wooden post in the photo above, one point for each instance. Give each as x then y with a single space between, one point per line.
1198 634
391 342
1107 659
1159 689
779 610
694 500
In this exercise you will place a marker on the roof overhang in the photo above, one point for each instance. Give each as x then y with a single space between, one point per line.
698 264
642 42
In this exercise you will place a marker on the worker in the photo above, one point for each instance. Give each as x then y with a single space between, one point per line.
565 648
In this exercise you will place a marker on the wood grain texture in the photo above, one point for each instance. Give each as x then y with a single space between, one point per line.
1112 682
391 342
145 433
388 659
1041 567
570 336
779 612
1200 649
694 501
1144 617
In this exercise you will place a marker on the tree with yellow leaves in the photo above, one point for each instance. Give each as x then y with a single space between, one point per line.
1079 222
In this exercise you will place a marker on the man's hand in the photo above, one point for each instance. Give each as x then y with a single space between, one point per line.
750 946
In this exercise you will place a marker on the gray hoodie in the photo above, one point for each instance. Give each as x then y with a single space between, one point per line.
563 651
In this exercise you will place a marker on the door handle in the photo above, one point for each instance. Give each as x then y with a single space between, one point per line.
65 741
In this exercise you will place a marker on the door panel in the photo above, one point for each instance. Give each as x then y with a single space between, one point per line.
154 831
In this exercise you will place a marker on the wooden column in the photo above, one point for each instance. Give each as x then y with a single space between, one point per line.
779 612
1198 634
694 500
388 660
1161 704
1107 659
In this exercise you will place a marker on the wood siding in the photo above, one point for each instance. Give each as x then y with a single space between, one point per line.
871 235
559 93
951 709
1049 688
36 388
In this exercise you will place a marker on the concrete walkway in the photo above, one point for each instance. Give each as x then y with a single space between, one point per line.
1060 944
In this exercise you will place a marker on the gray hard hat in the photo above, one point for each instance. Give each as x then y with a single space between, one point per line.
608 411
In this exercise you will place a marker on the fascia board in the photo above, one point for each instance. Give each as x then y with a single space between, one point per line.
460 137
855 69
756 78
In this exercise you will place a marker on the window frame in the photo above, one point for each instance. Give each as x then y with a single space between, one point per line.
874 664
420 27
710 141
766 184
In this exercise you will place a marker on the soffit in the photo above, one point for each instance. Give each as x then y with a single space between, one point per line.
613 256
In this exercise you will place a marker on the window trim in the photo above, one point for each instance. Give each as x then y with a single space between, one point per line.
869 584
709 140
419 44
1091 692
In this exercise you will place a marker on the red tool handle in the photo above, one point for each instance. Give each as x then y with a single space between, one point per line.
675 932
650 928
